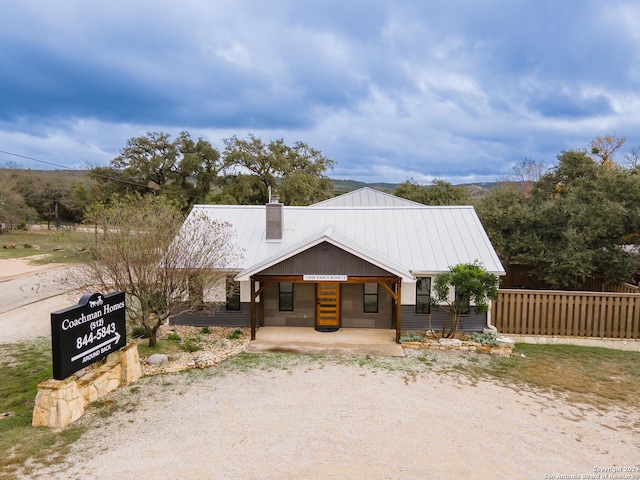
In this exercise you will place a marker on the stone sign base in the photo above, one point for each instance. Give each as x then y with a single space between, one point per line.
60 402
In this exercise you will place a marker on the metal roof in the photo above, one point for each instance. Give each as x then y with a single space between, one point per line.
418 239
367 197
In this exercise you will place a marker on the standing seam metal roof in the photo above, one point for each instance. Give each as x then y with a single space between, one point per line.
423 239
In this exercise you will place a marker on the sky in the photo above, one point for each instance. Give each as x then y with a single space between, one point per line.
460 90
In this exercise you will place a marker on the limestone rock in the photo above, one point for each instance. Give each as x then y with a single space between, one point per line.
450 342
157 359
506 342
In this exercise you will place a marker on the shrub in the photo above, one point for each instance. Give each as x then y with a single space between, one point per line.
412 337
191 344
235 335
486 337
138 331
205 331
174 337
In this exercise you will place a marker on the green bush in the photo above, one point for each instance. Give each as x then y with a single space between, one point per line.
174 337
486 337
412 337
138 331
235 335
205 331
191 344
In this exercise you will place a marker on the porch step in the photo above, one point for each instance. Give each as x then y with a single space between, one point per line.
345 341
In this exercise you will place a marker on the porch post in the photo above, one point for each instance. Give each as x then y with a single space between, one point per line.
398 310
252 312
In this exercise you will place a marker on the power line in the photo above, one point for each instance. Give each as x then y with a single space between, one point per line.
36 160
115 179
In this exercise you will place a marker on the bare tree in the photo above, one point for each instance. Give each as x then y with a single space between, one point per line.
633 157
605 147
146 250
528 172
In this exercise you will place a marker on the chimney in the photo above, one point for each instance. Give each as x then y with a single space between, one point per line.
274 219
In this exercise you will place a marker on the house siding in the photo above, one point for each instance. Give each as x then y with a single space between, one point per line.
472 322
304 304
352 314
219 318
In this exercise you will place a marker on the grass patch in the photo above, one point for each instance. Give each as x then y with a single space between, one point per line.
23 366
48 246
162 346
598 376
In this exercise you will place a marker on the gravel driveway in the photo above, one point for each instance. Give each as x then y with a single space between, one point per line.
327 419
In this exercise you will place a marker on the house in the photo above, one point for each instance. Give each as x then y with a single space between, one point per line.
365 259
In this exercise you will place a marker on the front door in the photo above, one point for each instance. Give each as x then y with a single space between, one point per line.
328 306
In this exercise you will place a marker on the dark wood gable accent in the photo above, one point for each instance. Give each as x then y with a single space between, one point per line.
325 259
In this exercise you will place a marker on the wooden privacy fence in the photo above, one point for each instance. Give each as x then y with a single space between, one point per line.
583 314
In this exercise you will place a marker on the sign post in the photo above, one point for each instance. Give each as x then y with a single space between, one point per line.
87 332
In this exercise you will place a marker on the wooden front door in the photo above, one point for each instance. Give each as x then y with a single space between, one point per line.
328 305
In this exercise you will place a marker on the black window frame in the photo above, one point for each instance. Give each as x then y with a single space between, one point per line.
366 295
423 307
232 295
285 298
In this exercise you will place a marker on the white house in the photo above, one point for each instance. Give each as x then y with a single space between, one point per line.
365 259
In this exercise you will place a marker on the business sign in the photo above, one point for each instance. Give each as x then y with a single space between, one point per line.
87 332
324 278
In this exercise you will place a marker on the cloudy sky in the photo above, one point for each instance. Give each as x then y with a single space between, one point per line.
390 90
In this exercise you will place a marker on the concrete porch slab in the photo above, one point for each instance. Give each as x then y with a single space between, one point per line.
346 341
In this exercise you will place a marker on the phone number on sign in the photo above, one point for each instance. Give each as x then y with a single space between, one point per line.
99 334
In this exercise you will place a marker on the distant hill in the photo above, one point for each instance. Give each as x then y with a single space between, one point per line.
476 190
344 186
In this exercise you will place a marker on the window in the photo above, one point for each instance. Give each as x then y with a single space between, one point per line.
233 295
370 298
423 295
286 297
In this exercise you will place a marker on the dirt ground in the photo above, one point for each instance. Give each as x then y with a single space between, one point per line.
33 320
322 418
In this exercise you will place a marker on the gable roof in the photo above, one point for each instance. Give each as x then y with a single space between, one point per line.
340 240
368 197
422 240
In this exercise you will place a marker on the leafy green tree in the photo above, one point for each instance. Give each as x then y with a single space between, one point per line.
584 214
13 207
463 286
54 194
144 249
440 192
296 172
506 215
182 169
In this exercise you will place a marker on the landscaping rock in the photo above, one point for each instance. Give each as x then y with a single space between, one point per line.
506 342
450 342
157 359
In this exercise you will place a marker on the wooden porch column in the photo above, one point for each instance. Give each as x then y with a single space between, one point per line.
252 313
398 310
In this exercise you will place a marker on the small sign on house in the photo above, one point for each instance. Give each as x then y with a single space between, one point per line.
87 332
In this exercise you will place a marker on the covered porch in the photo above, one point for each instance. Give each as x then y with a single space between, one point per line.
326 312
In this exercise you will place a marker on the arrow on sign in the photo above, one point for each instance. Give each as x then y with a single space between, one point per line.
115 340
